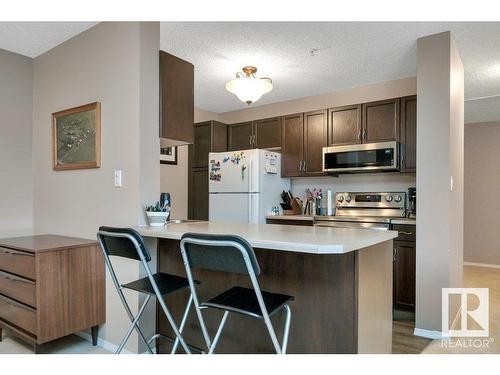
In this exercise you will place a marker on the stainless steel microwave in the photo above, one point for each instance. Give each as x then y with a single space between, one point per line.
367 157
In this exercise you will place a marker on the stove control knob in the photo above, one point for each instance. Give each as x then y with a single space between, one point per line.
397 198
388 198
340 198
348 198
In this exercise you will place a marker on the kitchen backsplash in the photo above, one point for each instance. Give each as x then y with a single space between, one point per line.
374 182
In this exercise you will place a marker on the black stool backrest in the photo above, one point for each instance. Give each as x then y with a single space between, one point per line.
123 246
227 257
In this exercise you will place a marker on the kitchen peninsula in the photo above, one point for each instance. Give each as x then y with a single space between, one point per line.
341 280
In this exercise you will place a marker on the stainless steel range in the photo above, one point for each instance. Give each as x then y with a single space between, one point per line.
365 210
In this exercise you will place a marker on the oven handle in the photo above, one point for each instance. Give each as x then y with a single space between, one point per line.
352 225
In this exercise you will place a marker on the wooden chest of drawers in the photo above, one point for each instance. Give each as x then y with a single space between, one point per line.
50 287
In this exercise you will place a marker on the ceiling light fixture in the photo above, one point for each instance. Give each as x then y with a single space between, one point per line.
247 87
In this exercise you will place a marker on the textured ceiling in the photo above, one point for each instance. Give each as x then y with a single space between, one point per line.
34 38
484 110
349 55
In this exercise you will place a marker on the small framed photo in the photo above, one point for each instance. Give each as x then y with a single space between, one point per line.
76 137
168 155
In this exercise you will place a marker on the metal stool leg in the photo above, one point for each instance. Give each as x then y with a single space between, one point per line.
219 332
287 328
172 323
133 326
183 323
124 301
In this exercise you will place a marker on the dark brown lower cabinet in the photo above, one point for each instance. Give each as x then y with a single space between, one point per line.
404 275
198 194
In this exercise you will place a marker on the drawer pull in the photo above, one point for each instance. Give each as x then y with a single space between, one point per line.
17 304
407 233
16 253
14 278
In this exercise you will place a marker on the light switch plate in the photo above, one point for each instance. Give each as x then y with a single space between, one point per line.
118 178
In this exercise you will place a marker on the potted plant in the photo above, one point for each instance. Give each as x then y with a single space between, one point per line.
157 214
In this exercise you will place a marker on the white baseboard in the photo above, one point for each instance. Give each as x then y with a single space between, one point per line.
110 347
434 335
487 265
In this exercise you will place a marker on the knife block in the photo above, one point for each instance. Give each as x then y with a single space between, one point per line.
296 208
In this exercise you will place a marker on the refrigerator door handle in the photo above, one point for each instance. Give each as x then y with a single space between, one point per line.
249 208
250 166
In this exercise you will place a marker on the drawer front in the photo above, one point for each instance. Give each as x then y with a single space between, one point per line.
406 232
18 288
18 314
18 262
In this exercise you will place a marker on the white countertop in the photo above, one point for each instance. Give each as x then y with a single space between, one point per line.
313 240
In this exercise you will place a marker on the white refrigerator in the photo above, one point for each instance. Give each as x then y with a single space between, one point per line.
244 185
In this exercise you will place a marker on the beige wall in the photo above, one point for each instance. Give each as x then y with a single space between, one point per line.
439 156
111 63
377 91
201 115
16 173
482 193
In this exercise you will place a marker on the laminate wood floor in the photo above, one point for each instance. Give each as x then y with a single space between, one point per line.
404 342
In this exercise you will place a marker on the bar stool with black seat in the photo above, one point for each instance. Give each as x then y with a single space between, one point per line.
127 243
233 254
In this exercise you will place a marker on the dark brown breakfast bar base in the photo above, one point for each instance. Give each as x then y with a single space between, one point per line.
343 302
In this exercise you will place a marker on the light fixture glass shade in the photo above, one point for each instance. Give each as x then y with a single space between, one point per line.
248 88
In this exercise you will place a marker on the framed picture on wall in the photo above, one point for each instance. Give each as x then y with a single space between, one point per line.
168 155
76 137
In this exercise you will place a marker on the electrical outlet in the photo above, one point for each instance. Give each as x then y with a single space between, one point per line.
118 178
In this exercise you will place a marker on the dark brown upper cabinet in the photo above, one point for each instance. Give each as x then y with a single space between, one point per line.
264 133
267 133
315 138
241 136
380 121
210 136
303 138
176 100
408 136
344 125
292 149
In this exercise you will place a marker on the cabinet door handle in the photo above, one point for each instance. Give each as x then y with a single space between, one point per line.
15 253
359 135
407 233
14 278
363 137
17 304
394 254
304 166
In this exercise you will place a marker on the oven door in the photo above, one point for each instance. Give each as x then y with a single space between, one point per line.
350 224
383 156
